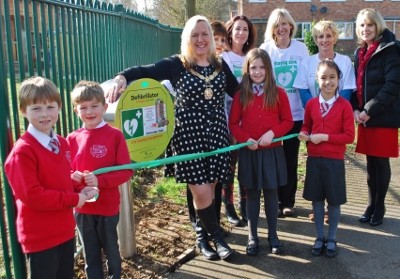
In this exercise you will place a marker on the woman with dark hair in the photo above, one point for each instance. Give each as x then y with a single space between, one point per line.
377 64
241 39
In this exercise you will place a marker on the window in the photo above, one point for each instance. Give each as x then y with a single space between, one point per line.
345 30
300 1
302 27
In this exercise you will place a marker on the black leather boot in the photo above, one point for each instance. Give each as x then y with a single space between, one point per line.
243 210
210 223
202 242
230 211
232 216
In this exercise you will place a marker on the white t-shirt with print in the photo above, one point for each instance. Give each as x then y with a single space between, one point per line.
307 79
286 64
235 63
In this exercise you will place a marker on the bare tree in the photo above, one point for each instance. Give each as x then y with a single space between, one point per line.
190 9
173 12
128 4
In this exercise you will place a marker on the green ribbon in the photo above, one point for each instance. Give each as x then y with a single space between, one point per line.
183 157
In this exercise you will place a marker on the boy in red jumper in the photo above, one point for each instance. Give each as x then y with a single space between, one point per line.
97 145
43 189
328 126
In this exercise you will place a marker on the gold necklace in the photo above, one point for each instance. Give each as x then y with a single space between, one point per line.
208 93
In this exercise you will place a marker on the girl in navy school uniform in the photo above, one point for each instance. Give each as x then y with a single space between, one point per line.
328 126
261 112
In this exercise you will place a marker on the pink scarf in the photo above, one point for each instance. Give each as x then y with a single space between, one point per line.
363 57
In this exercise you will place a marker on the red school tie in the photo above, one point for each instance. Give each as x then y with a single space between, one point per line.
54 145
324 108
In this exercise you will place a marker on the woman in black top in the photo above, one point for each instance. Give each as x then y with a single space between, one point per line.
200 81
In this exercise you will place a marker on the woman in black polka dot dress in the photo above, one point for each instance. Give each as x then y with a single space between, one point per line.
200 81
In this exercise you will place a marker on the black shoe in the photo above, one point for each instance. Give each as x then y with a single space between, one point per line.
331 252
366 217
232 216
377 217
206 250
223 250
275 245
317 247
252 248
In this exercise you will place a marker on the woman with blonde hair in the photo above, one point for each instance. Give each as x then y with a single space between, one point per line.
325 35
200 80
376 107
287 54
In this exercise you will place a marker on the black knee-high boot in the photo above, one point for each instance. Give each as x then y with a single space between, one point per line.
202 242
210 223
230 211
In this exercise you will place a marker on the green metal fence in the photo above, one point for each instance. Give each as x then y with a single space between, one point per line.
65 41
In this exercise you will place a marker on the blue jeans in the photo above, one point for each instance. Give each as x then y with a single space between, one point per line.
97 233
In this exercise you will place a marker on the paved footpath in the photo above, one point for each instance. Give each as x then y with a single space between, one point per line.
364 251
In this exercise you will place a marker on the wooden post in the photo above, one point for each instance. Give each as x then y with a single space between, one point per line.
126 224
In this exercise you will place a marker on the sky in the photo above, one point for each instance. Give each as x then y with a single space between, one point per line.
141 4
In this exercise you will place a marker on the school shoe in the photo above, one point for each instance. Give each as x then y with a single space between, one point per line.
318 247
275 245
252 248
331 252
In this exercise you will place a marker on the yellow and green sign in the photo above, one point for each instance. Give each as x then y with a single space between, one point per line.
145 115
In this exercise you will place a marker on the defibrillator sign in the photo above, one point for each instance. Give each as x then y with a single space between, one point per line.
145 115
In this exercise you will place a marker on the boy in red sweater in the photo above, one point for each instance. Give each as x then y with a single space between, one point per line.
43 190
97 145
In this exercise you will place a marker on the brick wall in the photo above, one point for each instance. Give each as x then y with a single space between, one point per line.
337 11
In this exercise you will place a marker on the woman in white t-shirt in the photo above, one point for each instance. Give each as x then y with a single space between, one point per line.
325 34
286 55
241 39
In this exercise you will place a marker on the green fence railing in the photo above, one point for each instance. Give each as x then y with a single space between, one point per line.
65 41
